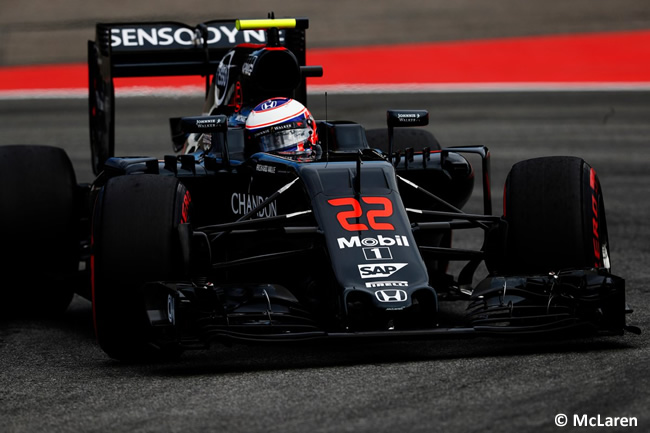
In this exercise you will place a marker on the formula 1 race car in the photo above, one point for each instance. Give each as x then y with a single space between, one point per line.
346 235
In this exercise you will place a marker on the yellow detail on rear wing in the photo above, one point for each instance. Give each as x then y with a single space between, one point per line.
280 23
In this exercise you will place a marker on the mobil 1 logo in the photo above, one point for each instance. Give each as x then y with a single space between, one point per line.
377 253
379 241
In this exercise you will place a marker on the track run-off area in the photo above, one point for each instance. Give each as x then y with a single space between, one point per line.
588 61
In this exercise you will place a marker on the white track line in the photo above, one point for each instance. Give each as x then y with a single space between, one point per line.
354 89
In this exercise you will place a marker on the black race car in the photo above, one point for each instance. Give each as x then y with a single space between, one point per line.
226 241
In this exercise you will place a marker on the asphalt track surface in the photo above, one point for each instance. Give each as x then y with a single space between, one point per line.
54 377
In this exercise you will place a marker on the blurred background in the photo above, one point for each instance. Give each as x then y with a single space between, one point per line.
46 31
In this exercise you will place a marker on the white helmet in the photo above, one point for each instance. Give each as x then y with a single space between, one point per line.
281 125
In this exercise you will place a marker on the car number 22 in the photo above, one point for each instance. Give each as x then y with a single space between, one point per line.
385 210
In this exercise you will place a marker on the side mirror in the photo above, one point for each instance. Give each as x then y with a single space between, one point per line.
403 118
204 124
182 126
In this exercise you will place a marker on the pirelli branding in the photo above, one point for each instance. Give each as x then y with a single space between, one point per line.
375 284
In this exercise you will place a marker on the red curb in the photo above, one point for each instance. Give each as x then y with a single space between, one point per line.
617 57
602 57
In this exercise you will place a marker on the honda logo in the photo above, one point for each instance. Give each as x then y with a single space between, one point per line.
391 295
268 105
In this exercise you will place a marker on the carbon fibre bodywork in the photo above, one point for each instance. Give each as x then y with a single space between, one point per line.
352 242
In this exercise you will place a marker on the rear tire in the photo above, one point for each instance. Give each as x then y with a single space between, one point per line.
135 240
39 230
556 217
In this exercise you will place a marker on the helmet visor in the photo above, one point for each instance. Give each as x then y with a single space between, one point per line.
278 138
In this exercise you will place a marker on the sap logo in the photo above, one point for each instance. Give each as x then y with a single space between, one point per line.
380 270
391 295
384 241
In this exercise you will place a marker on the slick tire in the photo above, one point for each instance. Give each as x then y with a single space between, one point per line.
39 227
556 217
135 240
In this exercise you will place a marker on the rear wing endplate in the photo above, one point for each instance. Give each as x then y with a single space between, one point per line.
163 49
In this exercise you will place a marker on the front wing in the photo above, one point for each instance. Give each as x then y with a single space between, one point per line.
571 303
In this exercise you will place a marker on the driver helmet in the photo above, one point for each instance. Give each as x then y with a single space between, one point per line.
281 125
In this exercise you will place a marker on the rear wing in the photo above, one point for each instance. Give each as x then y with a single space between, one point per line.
149 49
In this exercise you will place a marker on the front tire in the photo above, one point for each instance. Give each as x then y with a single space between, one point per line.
556 217
135 240
554 277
